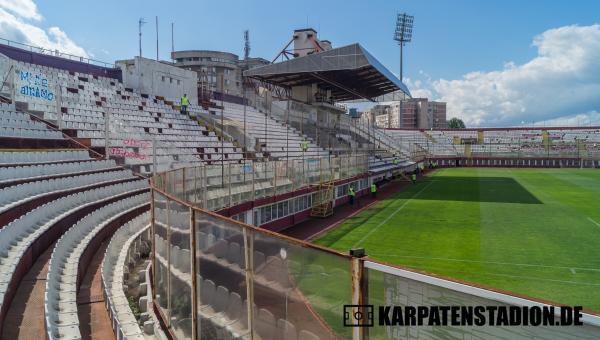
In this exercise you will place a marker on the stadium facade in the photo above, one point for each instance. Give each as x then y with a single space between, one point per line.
188 205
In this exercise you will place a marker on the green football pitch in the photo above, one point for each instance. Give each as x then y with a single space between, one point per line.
534 232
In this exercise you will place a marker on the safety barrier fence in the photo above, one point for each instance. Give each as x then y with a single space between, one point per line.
214 277
218 186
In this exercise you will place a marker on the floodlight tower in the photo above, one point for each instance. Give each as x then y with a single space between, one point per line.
403 33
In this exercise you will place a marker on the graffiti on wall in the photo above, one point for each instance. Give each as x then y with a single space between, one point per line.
34 85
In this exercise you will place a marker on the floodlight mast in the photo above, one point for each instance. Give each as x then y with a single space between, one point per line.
403 34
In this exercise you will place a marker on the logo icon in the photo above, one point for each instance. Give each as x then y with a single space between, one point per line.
358 315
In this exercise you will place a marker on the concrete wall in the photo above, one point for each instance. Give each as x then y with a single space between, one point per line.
158 78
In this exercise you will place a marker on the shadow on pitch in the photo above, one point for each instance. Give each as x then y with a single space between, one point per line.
477 189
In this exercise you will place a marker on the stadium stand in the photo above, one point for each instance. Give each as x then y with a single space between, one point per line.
88 102
126 245
272 138
573 147
66 265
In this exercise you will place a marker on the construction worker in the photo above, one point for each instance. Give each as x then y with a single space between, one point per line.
414 177
304 145
373 190
396 161
351 195
184 103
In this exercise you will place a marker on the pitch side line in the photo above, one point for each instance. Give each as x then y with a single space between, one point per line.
389 217
542 279
490 262
596 223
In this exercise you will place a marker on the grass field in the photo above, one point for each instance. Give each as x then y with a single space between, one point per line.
530 231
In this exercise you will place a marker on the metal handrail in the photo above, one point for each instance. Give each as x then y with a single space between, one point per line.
57 53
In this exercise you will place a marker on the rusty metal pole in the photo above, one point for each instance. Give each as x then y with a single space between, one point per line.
249 274
195 293
359 293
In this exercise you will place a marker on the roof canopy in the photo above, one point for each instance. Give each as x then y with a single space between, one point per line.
350 72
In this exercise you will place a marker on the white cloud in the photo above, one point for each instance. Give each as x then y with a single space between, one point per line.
591 118
26 9
17 23
562 80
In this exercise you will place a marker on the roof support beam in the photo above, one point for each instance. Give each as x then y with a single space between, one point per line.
340 86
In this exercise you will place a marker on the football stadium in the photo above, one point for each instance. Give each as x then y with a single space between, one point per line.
211 197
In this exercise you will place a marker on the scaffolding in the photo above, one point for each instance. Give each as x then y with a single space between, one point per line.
323 201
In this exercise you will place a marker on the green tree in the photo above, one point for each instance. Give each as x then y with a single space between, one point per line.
455 123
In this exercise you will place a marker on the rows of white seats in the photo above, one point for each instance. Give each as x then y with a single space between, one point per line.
280 140
42 157
60 307
28 133
11 114
19 235
22 124
83 125
18 194
115 260
42 170
226 316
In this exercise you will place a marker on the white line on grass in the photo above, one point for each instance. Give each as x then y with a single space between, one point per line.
389 217
489 262
535 278
596 223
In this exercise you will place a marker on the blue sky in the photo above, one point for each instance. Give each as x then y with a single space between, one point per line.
451 38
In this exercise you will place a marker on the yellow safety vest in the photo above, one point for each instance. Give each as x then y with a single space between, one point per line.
352 192
185 101
373 188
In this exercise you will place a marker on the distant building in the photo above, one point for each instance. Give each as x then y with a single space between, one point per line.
413 113
212 65
158 78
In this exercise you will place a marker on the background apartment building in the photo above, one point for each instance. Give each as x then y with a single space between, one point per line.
413 113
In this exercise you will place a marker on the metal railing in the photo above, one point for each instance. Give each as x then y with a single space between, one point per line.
56 53
218 186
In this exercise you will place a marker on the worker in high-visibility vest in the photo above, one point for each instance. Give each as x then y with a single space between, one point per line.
373 190
351 195
304 145
184 103
396 161
414 178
